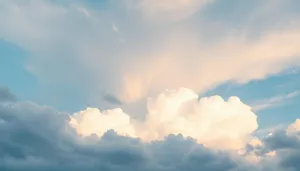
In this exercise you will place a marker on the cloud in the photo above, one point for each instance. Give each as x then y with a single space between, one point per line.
35 137
207 67
115 28
169 9
274 101
294 128
6 95
112 99
283 146
213 122
92 121
196 53
280 147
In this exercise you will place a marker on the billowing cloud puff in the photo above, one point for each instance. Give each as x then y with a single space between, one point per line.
216 123
92 120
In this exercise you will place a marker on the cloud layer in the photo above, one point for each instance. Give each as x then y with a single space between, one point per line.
36 137
145 56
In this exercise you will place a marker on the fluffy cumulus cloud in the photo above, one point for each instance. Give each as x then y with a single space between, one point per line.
35 137
146 56
92 121
212 121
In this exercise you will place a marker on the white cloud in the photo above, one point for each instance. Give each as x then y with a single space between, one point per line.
92 120
154 57
274 101
271 153
255 142
216 123
189 63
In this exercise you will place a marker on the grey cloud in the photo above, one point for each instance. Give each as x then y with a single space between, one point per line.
6 95
292 160
280 140
287 149
36 138
112 99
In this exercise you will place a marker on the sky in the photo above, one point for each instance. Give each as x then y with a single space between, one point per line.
164 85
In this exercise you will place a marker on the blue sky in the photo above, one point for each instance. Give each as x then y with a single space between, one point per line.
160 67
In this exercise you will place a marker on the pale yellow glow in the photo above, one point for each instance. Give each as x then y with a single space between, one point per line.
212 121
271 154
92 121
184 61
294 128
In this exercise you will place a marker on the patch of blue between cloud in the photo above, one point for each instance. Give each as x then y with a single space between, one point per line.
276 85
13 73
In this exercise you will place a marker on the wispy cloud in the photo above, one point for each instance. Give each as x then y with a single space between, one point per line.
274 101
115 28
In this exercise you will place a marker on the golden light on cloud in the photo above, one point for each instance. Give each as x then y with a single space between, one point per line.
294 128
92 121
212 121
209 65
